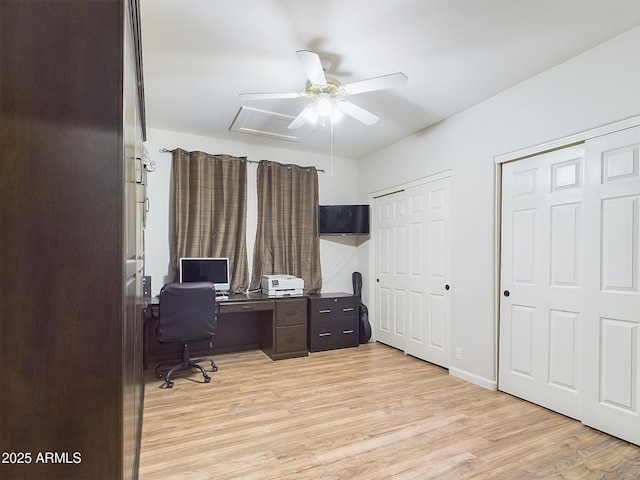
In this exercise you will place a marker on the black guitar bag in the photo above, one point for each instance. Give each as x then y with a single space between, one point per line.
365 327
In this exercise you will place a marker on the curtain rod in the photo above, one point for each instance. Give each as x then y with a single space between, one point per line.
166 150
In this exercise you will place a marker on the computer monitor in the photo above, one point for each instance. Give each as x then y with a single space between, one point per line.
214 270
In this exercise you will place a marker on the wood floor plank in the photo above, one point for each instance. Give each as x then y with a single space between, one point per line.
369 412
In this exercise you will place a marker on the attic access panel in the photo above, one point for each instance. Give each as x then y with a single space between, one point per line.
254 121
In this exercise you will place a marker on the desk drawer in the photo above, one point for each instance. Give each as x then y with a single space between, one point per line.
239 307
291 312
291 339
329 308
331 334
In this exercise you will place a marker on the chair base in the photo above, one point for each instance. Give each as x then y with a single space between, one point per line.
185 364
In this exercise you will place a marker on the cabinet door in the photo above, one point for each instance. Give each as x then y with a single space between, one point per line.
133 201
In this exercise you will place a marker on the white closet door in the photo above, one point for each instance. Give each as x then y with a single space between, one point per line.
541 279
428 310
391 268
612 292
412 255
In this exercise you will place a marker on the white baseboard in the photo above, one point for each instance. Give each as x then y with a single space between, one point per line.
470 377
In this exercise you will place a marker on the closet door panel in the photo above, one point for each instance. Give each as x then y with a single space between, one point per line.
541 293
612 302
438 264
390 260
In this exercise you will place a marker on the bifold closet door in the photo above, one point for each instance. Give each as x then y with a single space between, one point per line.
611 359
413 269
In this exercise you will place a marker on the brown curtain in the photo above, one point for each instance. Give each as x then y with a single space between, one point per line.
287 239
210 211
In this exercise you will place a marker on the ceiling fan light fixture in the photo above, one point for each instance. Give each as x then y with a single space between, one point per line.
324 105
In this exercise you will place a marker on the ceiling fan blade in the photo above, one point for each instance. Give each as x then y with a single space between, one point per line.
268 96
312 67
358 113
378 83
300 120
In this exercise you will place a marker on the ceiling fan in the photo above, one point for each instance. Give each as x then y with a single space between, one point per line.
330 93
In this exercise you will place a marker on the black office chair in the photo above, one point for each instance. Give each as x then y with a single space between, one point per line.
188 312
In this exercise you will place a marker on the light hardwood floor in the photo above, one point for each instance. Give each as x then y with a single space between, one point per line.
368 412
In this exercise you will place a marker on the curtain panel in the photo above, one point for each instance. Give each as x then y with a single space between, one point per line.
210 211
287 239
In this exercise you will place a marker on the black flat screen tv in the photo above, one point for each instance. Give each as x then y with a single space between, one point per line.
343 220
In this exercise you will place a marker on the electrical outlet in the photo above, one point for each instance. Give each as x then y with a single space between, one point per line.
458 353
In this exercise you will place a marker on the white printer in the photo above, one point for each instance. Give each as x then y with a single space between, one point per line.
282 285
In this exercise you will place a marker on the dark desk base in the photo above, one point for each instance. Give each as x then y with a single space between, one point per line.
278 326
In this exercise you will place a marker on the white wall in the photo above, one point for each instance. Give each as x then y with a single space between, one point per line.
337 256
593 89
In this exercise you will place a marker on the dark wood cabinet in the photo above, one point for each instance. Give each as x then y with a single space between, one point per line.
70 233
333 321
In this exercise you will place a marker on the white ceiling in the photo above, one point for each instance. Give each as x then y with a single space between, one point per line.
198 55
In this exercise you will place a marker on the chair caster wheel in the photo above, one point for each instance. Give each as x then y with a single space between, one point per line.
169 384
214 368
207 379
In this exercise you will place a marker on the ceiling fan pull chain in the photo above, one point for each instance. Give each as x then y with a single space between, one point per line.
331 142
